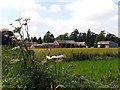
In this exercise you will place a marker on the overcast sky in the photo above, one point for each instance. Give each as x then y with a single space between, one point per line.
61 16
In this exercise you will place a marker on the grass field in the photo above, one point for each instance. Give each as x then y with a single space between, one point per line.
95 69
102 70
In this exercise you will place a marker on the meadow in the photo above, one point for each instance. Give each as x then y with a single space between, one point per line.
96 64
96 70
80 68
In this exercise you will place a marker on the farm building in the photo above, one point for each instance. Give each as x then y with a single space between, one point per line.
81 44
36 46
44 45
30 43
65 43
49 45
57 44
107 44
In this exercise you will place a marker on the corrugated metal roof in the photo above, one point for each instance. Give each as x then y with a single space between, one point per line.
104 42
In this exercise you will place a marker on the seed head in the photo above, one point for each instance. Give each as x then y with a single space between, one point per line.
26 19
18 19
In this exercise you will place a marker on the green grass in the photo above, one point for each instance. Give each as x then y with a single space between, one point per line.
94 69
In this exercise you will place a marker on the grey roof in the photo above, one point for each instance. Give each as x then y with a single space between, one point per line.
81 43
37 45
66 41
49 44
32 42
104 42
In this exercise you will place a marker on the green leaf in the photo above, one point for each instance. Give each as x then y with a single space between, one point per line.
17 29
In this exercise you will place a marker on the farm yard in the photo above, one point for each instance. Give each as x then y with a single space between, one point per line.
59 44
79 68
79 60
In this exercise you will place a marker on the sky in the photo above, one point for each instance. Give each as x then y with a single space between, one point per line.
61 16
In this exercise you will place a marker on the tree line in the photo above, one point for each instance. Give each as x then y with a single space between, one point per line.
91 38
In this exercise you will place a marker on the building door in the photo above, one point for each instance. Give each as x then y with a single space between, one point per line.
102 46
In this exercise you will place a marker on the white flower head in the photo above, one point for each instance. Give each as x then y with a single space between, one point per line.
60 56
54 57
48 57
14 60
15 48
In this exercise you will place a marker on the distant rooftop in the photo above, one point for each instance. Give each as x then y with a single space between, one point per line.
48 44
66 41
104 42
80 43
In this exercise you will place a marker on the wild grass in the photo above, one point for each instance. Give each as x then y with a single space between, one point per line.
99 68
77 53
76 50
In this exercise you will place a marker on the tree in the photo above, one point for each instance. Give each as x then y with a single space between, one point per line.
100 37
6 40
80 46
39 40
111 37
48 37
52 38
62 37
80 37
61 46
74 35
34 39
84 37
95 45
90 38
66 46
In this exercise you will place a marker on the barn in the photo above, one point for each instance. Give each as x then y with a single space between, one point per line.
49 45
65 43
31 43
107 44
36 46
81 44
